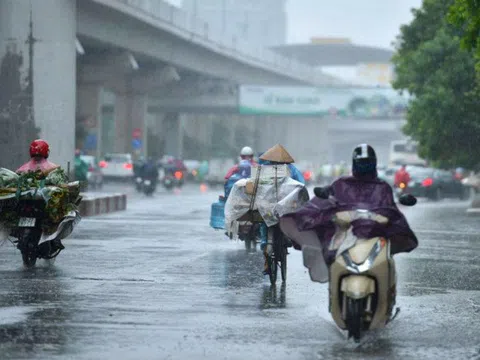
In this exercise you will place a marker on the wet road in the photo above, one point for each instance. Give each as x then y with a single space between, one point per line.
155 282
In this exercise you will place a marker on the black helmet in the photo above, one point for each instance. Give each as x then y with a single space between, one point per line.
364 160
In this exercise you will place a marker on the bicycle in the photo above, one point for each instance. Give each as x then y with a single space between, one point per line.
277 257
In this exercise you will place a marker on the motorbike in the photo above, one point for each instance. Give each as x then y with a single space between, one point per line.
362 277
148 187
173 180
30 239
400 189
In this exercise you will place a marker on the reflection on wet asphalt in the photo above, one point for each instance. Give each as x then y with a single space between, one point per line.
155 282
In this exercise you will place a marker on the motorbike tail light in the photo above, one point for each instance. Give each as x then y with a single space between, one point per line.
402 185
128 166
178 175
91 169
307 175
103 164
427 182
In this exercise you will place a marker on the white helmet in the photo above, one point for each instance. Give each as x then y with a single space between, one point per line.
246 151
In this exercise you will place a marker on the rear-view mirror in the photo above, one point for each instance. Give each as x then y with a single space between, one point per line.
407 200
321 192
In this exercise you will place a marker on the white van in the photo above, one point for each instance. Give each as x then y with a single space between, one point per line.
405 152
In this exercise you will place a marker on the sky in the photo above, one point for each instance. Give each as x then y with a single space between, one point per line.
365 22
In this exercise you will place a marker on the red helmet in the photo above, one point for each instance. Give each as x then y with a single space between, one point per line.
39 147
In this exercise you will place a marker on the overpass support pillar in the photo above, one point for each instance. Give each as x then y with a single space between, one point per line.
131 114
89 118
38 39
173 125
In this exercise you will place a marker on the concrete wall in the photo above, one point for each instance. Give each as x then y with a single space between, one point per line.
54 57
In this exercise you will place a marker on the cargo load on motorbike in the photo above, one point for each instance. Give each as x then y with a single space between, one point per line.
58 197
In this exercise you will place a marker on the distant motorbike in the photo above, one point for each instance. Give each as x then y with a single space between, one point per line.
173 180
149 187
401 189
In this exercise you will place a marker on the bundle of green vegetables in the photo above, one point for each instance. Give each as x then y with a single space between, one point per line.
52 187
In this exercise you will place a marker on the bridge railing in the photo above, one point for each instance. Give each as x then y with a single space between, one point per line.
199 31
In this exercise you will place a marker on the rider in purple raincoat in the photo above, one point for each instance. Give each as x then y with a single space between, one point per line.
363 190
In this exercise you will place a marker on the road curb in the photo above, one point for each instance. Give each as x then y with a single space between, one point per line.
104 204
473 212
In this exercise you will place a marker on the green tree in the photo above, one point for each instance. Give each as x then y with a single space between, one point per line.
465 14
433 67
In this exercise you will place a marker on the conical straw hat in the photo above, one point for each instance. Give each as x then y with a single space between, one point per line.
277 154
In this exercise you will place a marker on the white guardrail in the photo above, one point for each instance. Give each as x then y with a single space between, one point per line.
197 31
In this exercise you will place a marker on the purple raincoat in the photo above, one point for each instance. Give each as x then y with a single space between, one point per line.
352 193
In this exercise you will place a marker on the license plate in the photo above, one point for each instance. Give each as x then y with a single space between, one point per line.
148 183
27 222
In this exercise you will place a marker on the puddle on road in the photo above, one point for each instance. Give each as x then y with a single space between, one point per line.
418 290
14 314
113 279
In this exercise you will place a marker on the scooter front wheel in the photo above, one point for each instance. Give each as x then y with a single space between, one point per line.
355 315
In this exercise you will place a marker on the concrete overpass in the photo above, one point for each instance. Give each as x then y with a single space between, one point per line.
159 31
121 47
223 96
335 54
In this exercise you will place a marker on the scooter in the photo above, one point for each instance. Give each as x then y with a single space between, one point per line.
148 187
362 278
173 180
400 189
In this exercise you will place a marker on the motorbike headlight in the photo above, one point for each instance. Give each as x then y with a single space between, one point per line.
368 263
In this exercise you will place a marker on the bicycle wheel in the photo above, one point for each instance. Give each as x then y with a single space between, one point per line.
273 268
283 263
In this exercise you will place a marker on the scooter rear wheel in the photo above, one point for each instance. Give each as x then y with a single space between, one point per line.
28 248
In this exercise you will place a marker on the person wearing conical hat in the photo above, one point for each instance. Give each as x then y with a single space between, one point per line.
276 155
279 155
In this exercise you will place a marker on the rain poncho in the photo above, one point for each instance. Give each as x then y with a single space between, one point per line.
276 194
33 165
313 223
244 169
234 169
81 169
295 174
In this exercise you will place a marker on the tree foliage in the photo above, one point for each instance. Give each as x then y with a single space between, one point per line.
440 74
465 14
